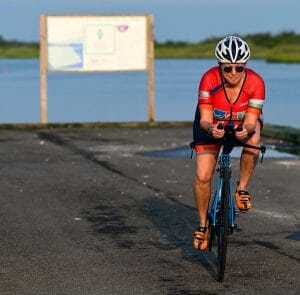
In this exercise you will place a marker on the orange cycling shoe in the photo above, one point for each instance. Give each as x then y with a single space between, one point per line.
242 199
201 238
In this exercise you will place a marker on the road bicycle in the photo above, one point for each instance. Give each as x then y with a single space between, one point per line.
222 210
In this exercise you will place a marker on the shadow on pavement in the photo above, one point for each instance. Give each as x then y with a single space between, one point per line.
176 222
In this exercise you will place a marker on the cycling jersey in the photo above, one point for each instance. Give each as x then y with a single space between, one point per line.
212 96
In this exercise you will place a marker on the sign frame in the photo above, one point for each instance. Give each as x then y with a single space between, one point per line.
44 59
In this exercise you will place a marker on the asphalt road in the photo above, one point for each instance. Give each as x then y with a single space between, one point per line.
87 211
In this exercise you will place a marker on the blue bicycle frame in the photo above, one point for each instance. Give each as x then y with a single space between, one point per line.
221 212
224 163
229 142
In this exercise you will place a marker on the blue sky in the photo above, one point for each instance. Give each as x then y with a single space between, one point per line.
185 20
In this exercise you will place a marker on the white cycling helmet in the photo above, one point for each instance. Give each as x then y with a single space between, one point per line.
233 50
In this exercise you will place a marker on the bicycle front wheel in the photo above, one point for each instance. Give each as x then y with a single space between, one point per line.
223 227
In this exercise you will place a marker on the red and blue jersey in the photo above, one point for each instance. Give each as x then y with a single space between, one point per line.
212 96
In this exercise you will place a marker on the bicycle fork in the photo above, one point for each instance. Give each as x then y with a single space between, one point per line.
216 203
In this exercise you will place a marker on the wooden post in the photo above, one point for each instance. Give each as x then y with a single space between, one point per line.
43 68
150 66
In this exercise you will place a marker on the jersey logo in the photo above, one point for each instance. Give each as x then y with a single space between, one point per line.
243 104
219 114
203 95
223 115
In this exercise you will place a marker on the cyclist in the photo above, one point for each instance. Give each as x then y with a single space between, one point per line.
227 92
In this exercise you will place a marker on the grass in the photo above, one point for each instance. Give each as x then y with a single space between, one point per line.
281 53
19 52
283 47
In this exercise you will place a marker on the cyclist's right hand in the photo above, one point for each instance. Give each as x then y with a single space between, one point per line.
218 131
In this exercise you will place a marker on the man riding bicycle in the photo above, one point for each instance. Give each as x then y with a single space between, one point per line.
227 92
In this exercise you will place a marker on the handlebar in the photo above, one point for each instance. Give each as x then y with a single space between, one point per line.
230 127
239 128
220 126
229 140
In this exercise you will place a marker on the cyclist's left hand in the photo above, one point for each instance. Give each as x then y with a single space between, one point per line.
242 134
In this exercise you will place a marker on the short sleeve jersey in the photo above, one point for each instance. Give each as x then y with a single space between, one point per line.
212 96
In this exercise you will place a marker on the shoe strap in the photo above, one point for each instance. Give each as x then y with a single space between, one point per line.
243 192
201 229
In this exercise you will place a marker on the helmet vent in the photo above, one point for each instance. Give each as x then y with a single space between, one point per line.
232 49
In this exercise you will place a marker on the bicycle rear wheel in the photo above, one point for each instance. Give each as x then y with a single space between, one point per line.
223 227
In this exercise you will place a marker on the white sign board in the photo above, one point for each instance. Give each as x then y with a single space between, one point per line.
97 43
94 43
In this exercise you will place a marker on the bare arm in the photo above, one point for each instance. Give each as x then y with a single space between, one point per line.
249 124
206 123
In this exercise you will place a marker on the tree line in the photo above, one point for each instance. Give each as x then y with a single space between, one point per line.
268 40
281 47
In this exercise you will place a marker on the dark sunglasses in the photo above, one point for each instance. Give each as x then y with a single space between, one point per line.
238 69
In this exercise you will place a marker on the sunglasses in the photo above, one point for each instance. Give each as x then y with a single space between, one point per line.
238 69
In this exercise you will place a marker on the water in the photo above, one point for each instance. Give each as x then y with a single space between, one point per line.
108 97
295 236
185 152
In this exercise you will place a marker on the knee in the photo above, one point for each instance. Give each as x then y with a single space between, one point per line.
255 141
255 138
202 180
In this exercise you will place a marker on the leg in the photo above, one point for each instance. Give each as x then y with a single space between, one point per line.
249 159
248 162
205 164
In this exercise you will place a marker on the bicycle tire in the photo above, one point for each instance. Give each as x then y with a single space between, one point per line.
223 226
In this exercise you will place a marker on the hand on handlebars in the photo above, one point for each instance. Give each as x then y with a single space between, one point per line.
241 133
217 131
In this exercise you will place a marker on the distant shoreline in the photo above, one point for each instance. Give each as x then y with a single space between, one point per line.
162 54
280 48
